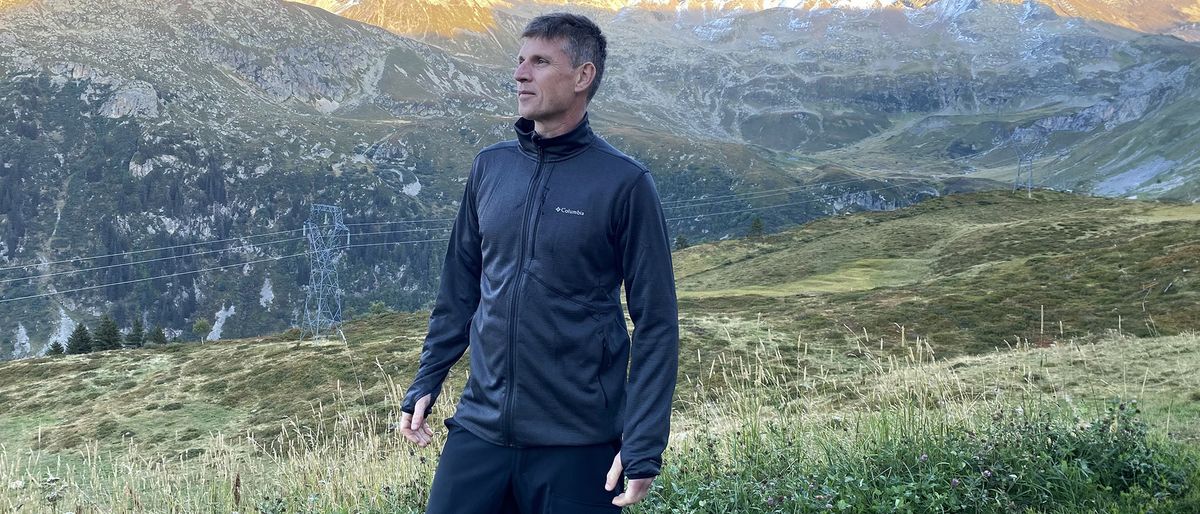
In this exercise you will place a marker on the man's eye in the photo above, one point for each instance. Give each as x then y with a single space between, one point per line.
542 61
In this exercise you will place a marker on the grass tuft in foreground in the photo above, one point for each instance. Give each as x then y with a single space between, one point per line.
1023 430
1037 459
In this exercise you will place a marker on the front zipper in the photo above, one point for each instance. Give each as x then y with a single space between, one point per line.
513 303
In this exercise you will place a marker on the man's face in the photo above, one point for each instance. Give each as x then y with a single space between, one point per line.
546 80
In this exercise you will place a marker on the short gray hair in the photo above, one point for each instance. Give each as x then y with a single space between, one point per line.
582 38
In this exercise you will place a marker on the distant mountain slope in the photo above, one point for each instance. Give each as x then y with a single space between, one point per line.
943 86
426 17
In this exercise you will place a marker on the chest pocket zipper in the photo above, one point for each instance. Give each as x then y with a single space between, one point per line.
541 214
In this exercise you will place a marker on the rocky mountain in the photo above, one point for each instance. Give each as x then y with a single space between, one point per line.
948 86
207 129
198 129
446 18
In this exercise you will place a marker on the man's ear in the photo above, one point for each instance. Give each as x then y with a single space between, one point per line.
585 76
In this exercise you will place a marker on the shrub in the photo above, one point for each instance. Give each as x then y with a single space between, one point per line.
1021 462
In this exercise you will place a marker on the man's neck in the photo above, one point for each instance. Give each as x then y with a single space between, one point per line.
558 127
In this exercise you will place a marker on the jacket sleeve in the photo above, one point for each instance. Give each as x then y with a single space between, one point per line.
650 295
458 297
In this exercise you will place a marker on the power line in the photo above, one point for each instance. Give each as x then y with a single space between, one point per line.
147 250
753 195
178 274
671 203
182 273
395 222
219 250
771 206
812 200
398 231
758 197
193 254
395 243
197 243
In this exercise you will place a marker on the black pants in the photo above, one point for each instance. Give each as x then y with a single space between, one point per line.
478 477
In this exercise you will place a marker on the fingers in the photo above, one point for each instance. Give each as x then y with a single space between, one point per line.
405 427
635 491
413 426
614 473
418 417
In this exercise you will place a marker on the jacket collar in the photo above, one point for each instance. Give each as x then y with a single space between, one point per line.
555 148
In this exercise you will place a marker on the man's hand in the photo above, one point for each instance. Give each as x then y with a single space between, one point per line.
635 491
413 426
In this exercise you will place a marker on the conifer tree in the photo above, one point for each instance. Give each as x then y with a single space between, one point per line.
108 335
157 336
756 227
680 242
137 335
80 340
56 348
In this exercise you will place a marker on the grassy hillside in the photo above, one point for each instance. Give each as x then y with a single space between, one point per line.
968 273
845 335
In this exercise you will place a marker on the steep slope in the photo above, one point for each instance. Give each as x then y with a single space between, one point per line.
944 86
137 126
217 128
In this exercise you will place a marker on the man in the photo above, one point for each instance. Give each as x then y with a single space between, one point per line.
559 403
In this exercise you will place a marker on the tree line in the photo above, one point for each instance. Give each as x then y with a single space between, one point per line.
107 336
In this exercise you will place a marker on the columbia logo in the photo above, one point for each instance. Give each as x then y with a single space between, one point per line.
568 211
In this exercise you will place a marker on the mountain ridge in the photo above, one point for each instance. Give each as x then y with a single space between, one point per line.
445 17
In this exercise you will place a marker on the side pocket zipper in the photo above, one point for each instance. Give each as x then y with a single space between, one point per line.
604 363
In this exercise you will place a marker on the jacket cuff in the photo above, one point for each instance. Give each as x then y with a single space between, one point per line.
642 467
410 402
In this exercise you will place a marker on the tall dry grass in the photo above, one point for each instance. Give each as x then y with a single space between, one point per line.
774 427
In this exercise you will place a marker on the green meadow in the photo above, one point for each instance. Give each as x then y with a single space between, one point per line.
984 352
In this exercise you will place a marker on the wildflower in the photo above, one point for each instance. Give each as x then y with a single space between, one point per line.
954 482
829 506
923 458
987 473
16 484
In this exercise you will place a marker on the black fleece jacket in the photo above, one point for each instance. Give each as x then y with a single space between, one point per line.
547 230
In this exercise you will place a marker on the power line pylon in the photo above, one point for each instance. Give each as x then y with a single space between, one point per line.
327 236
1029 143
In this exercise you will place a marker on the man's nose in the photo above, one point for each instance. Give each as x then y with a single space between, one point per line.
521 74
